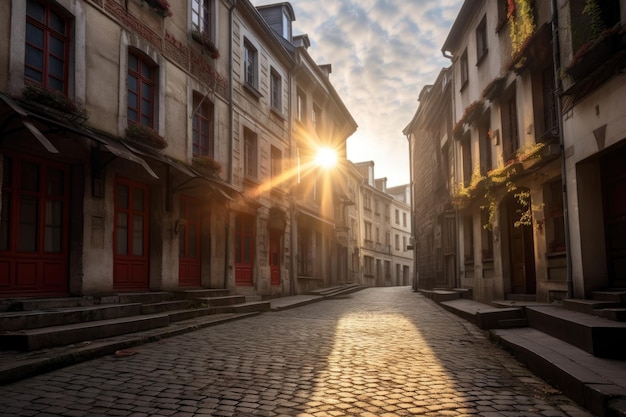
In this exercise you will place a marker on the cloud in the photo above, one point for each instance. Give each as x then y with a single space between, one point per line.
383 52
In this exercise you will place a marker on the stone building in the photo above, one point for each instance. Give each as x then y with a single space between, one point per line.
401 234
151 146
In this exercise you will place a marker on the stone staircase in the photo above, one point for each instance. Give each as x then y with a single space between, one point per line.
35 324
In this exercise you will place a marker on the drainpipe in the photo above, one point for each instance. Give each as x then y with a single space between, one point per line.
413 222
556 58
229 171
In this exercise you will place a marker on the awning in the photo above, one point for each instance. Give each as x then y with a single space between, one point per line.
26 117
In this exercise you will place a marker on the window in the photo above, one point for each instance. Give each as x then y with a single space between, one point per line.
376 207
403 243
277 165
141 86
466 150
481 40
550 119
388 238
485 147
468 234
554 216
486 235
202 130
368 231
317 119
202 16
377 235
464 69
301 106
286 26
404 219
367 202
276 87
397 241
397 216
305 264
250 153
47 47
387 211
251 63
510 131
369 265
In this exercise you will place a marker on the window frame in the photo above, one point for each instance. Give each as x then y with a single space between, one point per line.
204 23
251 64
48 32
482 45
152 82
464 69
204 111
250 152
276 90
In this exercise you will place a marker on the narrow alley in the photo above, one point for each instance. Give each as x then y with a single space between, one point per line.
377 352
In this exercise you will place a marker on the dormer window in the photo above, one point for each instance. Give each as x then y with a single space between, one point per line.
286 26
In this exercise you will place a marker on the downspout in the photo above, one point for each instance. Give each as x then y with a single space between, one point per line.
231 112
558 90
457 216
413 222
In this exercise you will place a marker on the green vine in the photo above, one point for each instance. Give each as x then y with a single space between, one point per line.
593 10
522 25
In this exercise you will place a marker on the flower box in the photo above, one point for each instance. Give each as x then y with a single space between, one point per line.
54 103
162 7
145 137
207 44
592 54
207 165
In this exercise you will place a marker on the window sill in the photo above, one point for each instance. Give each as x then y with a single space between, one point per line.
276 112
252 90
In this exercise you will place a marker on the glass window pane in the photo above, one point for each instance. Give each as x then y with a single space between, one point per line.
34 35
57 22
132 115
146 71
55 84
132 100
53 234
146 91
146 121
33 75
55 182
4 221
29 176
121 243
34 58
57 46
132 83
122 196
27 235
137 235
36 11
55 67
133 63
138 195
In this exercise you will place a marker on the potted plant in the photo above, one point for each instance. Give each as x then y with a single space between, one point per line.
54 103
207 165
145 136
203 39
162 7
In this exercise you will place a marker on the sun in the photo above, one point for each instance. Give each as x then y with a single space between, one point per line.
326 158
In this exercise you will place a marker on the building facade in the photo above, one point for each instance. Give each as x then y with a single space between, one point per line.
535 147
162 159
401 235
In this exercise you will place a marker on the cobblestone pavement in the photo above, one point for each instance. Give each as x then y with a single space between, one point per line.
377 352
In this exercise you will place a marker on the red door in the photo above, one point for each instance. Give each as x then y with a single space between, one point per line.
275 258
189 243
34 227
244 249
131 236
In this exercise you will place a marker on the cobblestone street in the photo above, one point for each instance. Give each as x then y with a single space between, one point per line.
377 352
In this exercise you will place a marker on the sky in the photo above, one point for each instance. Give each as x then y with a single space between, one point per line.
382 52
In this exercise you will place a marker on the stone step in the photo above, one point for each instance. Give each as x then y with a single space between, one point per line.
521 297
164 306
588 306
337 290
201 293
32 304
513 323
34 339
144 297
617 314
188 314
593 334
255 306
222 301
617 295
25 320
492 318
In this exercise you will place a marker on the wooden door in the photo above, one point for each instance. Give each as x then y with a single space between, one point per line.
275 258
131 236
34 227
521 252
614 191
244 249
189 238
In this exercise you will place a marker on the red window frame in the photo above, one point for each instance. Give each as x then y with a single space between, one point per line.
45 46
141 84
202 128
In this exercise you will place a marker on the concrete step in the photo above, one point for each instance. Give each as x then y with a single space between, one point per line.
337 290
34 339
25 320
222 301
144 297
617 314
164 306
588 306
593 334
615 295
595 383
255 306
499 317
521 297
32 304
188 314
201 293
512 323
